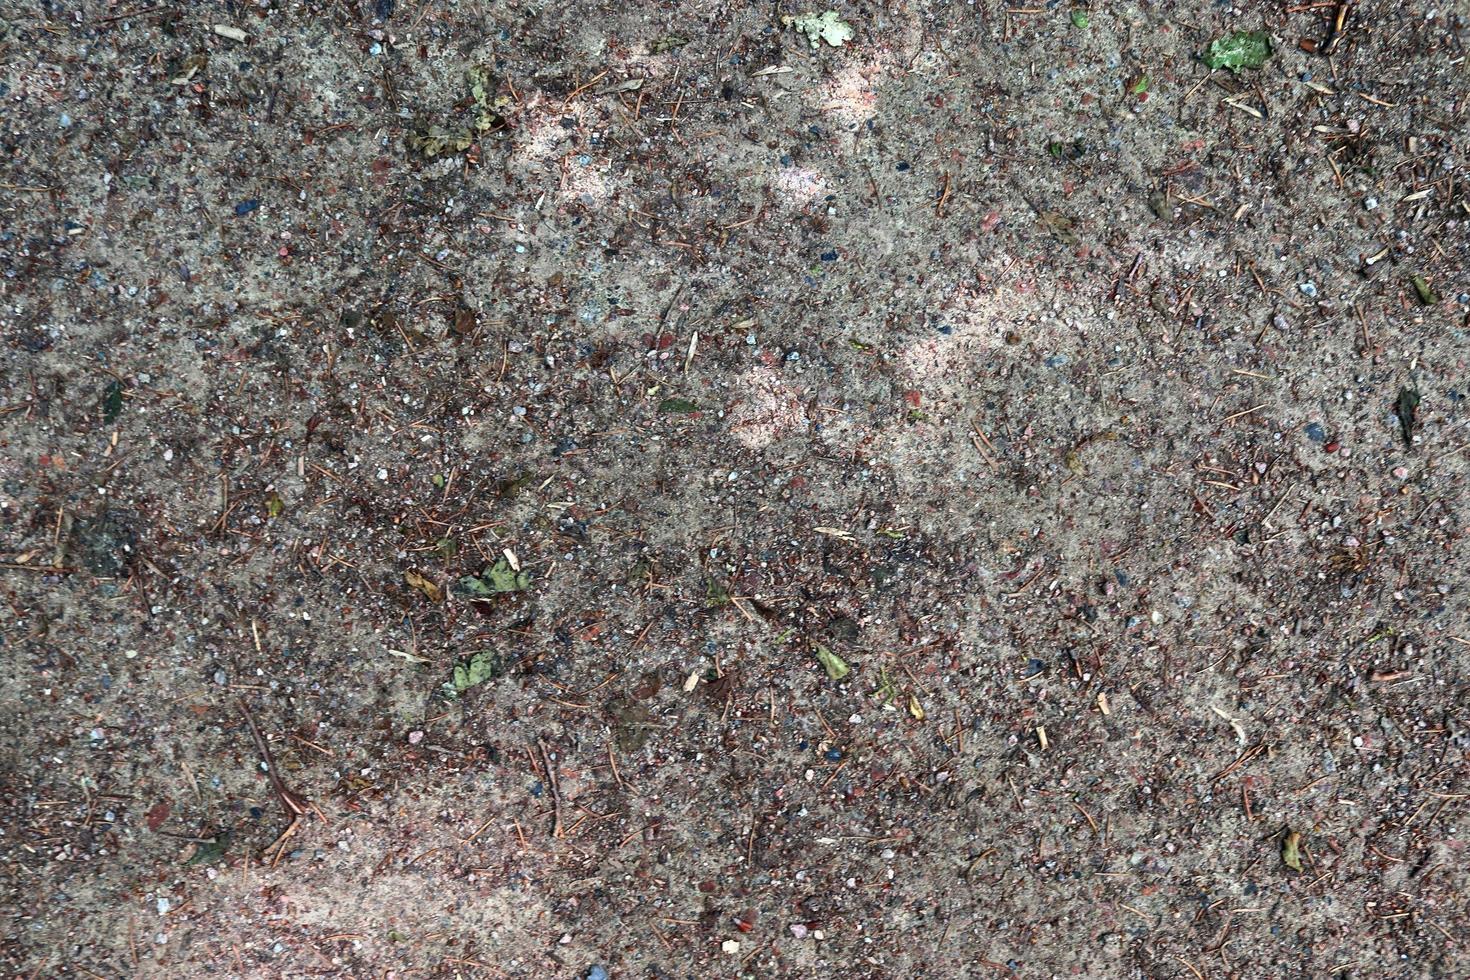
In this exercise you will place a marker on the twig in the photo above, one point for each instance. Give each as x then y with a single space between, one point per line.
555 789
296 805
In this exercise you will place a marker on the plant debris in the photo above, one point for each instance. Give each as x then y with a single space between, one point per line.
494 580
1406 407
475 670
112 402
487 118
428 587
1241 49
667 43
677 406
821 27
1427 296
1291 854
835 666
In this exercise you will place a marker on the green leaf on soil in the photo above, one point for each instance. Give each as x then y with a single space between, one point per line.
677 406
716 594
1079 20
1427 296
483 666
821 27
210 851
1141 86
1406 408
446 547
438 480
494 580
667 43
1242 49
1291 850
274 505
112 402
836 667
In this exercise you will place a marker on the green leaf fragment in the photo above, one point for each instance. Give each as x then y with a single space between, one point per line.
494 580
1079 20
1242 49
112 402
1407 408
1141 86
212 850
274 505
821 27
667 43
479 668
1427 296
835 666
434 140
1291 850
677 406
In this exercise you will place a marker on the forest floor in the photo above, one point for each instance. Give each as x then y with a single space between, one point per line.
710 490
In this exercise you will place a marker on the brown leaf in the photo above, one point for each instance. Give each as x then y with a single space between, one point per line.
156 815
465 321
428 587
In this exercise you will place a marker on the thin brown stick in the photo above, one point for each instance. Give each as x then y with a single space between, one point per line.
296 805
551 782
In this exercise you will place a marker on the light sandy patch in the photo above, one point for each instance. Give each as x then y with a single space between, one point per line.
851 96
801 185
976 323
768 410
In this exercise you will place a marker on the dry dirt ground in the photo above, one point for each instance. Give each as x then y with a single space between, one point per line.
980 499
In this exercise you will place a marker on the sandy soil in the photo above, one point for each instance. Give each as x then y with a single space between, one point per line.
982 499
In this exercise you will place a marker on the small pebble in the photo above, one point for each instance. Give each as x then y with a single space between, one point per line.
598 972
1308 289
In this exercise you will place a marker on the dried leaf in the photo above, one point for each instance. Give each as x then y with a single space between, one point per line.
1291 853
836 667
428 587
1060 226
915 708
